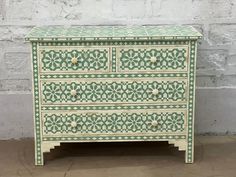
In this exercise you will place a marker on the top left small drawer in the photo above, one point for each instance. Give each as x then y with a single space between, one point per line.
74 59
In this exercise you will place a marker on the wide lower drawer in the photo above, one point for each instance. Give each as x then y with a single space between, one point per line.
121 90
114 122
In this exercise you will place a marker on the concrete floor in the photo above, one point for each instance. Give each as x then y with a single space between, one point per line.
215 156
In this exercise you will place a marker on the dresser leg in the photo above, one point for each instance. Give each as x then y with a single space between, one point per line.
41 148
189 155
39 155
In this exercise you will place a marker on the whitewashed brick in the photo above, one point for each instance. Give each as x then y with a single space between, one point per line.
226 81
11 33
211 62
72 10
171 9
5 34
129 8
230 68
17 65
50 10
2 10
19 9
221 8
193 10
206 81
232 60
222 34
15 85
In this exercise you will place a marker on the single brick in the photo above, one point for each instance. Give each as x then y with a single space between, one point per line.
2 9
129 8
17 65
230 68
20 9
15 85
226 81
211 62
221 34
206 81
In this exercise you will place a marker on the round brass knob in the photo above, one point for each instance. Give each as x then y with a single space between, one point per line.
153 59
155 92
154 123
73 124
73 92
74 60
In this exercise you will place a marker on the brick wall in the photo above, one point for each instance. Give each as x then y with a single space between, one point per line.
216 66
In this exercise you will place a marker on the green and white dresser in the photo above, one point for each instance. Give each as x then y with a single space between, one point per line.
113 83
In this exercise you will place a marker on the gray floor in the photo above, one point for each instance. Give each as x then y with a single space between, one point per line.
215 156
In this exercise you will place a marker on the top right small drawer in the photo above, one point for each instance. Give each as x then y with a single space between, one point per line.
153 58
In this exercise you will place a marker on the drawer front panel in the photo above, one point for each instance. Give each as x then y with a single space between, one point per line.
155 58
114 91
114 122
74 59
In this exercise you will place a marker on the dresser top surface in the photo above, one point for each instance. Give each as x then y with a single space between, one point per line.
92 33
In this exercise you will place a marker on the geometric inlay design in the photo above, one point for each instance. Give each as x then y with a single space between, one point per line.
87 59
121 122
98 33
112 75
120 137
114 91
153 58
114 107
113 83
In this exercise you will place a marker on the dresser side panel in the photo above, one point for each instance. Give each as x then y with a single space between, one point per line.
36 105
189 157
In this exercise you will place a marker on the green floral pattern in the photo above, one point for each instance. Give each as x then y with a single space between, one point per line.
108 92
71 39
87 59
122 122
167 59
96 33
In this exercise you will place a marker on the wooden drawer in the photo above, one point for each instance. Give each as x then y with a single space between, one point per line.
74 59
152 58
114 90
114 122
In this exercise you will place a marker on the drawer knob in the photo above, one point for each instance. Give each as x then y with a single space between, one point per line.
73 92
74 60
153 59
154 123
155 92
73 124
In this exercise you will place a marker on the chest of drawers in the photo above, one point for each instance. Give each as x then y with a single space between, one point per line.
113 83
